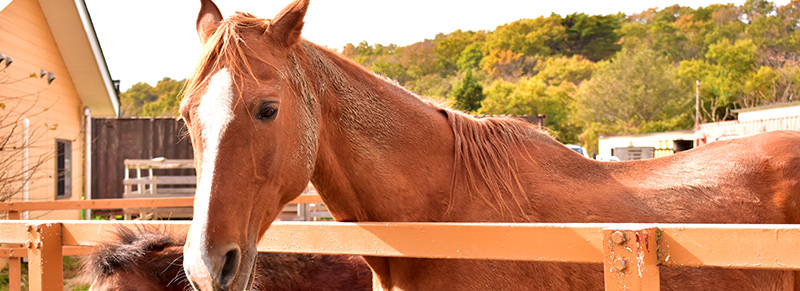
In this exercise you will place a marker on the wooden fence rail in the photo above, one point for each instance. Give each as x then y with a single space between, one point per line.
15 208
629 252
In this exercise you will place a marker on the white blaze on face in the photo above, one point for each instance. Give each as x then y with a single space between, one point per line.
214 113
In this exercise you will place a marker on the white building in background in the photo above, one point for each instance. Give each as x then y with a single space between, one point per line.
646 145
750 121
776 111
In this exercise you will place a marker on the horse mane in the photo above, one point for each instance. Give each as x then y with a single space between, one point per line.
126 249
483 148
482 153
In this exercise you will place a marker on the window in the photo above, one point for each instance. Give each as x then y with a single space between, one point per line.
63 168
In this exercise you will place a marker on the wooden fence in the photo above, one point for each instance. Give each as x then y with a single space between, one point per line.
117 139
630 253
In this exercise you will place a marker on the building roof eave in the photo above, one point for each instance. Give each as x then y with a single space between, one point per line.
74 34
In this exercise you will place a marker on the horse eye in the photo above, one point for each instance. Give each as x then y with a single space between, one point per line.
267 111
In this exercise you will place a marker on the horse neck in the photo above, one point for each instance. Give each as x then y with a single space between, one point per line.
384 154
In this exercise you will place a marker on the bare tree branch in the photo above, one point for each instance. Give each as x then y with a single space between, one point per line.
21 156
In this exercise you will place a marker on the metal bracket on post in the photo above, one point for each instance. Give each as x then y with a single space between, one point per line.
631 259
45 265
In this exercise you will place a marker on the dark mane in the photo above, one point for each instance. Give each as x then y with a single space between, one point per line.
126 250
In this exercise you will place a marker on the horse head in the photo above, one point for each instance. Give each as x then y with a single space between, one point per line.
254 133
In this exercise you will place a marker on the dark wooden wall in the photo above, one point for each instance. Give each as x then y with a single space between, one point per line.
114 140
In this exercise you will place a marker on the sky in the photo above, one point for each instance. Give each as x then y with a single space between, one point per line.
147 40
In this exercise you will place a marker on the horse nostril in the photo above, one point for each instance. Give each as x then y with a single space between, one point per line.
230 267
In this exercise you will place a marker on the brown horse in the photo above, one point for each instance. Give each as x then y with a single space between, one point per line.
268 111
149 259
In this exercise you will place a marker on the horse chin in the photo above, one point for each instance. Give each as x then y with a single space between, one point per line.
252 279
247 273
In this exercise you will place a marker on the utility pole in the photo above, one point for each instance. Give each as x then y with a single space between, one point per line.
697 106
697 114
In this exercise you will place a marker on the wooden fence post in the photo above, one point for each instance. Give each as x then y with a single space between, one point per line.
14 263
45 265
631 259
14 274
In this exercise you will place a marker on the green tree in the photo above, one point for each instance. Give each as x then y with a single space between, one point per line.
470 57
167 104
526 97
594 37
558 70
433 85
391 70
418 59
789 16
143 100
133 99
636 92
449 48
551 91
467 93
734 63
723 75
540 36
563 76
506 64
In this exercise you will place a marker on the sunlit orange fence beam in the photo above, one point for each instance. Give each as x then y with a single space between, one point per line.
726 245
505 241
751 246
22 252
731 246
97 204
759 246
15 207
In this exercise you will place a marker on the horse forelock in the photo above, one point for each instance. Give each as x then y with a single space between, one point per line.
225 48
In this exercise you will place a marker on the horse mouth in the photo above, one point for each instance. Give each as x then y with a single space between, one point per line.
251 281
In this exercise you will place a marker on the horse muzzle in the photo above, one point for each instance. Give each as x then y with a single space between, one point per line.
214 268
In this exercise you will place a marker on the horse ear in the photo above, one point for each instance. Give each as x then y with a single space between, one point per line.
286 26
208 20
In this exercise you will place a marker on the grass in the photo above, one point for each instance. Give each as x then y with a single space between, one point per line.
72 282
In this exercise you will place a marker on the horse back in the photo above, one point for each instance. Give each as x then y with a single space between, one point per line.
749 180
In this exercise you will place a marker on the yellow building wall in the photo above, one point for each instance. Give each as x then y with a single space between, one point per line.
55 111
